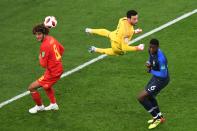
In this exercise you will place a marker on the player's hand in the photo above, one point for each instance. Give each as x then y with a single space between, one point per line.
149 66
137 31
140 47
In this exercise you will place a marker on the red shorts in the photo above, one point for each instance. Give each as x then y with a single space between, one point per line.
47 80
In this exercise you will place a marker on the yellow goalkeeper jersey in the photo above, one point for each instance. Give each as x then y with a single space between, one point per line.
124 30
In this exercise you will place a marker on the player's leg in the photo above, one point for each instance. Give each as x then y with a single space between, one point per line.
159 85
36 97
143 98
153 88
156 106
157 110
47 85
145 101
114 50
51 95
101 32
34 93
107 51
154 103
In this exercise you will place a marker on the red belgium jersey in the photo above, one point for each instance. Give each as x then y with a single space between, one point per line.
51 52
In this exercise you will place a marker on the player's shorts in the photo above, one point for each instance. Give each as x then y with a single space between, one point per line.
47 80
155 85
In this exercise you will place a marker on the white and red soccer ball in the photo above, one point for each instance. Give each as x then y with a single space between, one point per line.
50 21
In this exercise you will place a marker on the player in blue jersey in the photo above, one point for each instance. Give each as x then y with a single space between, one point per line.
157 65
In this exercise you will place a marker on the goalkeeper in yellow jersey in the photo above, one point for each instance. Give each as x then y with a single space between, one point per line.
120 37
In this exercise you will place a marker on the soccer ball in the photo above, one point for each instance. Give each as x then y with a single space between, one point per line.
50 21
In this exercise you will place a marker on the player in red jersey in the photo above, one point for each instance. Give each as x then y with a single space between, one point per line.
51 52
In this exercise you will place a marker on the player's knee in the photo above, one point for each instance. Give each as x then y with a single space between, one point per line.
31 88
143 95
140 98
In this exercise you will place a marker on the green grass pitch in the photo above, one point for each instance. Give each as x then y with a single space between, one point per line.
101 97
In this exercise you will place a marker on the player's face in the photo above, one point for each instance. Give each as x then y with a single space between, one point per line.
153 49
134 20
39 36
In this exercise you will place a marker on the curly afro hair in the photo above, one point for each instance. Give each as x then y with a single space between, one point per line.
40 28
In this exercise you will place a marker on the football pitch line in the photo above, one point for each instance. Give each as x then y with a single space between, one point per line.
65 74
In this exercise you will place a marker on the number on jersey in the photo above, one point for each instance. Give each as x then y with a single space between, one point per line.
57 54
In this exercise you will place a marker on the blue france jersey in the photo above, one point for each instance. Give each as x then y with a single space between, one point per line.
159 65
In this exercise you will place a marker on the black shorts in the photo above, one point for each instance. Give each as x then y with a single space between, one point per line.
156 84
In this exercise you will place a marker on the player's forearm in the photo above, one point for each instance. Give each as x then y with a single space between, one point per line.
126 47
